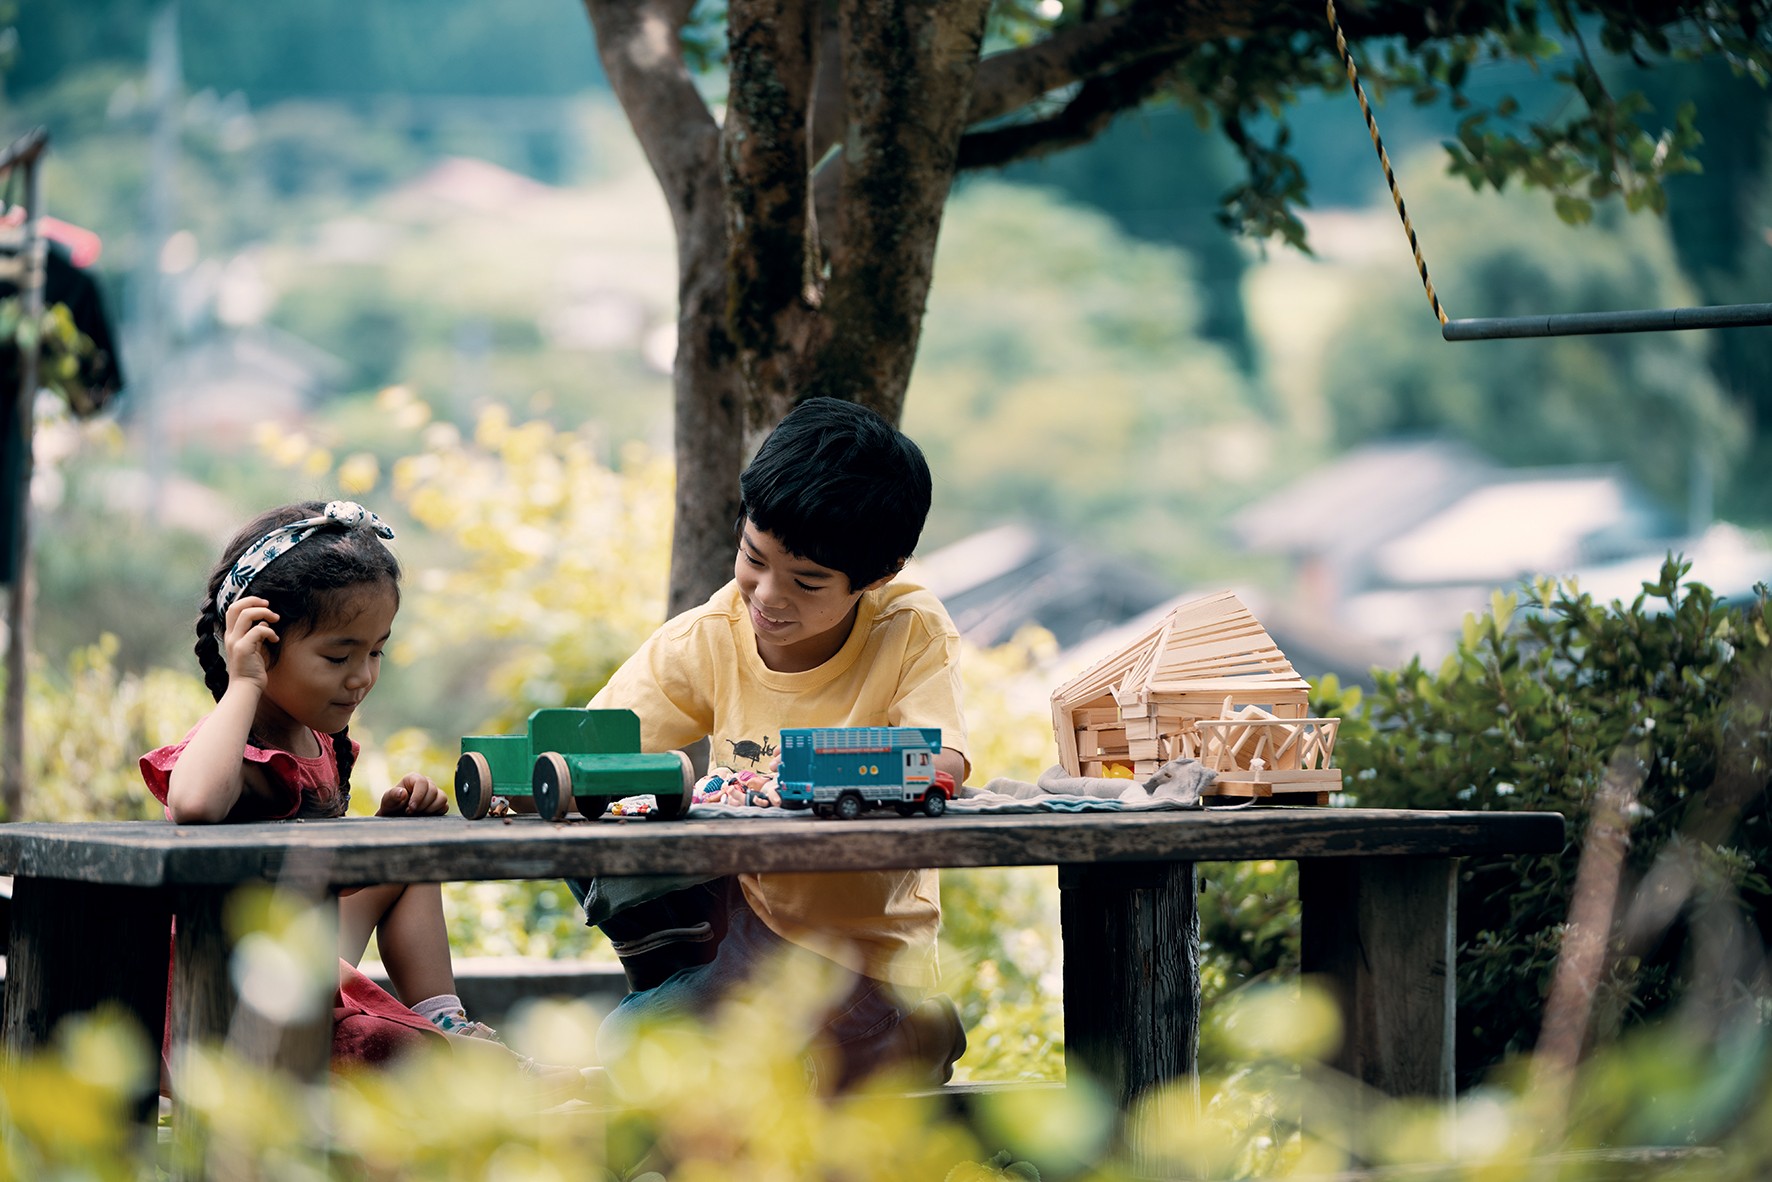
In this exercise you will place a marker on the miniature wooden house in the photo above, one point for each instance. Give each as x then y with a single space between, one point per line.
1205 682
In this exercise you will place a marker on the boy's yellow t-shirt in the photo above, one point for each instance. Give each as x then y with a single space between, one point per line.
700 675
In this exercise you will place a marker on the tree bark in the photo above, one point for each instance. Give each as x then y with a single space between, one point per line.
772 259
908 71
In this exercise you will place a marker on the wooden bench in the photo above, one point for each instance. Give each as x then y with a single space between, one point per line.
92 902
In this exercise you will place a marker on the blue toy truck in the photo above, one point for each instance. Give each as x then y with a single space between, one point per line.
568 758
842 771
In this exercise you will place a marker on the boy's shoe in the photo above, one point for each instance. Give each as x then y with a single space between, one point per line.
553 1084
923 1045
937 1037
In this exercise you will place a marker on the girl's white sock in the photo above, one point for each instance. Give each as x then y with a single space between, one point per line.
433 1008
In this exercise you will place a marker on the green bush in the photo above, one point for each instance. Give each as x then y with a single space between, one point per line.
88 723
1535 709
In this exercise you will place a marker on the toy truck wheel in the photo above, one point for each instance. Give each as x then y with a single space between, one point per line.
848 806
473 785
669 807
934 803
551 782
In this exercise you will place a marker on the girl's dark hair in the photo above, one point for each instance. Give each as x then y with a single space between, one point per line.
306 586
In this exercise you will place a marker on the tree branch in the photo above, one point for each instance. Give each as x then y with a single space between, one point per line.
827 88
1011 80
1086 116
639 43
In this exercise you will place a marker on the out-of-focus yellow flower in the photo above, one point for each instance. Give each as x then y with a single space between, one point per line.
358 473
1290 1021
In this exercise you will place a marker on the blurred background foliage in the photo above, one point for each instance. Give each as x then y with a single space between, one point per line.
727 1103
1097 355
1546 699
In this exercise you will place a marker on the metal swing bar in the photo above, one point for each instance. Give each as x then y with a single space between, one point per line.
1492 328
1569 324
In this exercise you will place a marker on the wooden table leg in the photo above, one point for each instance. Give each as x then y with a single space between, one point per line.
77 945
1131 973
1380 931
206 1008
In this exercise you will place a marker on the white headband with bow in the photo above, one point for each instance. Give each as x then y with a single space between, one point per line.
284 538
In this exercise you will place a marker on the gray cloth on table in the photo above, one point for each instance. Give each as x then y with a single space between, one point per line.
1177 784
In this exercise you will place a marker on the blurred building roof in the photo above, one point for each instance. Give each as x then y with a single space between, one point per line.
464 183
1523 522
1392 544
1361 499
220 388
995 582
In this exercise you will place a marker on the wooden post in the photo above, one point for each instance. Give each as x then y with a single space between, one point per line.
24 153
206 1009
1380 931
77 944
1131 965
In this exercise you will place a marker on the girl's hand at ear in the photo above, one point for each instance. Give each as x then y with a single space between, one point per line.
413 796
247 640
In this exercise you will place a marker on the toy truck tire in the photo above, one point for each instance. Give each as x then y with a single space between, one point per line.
473 785
551 782
849 806
669 807
934 803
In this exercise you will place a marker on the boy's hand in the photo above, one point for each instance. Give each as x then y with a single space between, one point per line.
413 796
247 639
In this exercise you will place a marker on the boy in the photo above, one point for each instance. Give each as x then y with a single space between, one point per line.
811 632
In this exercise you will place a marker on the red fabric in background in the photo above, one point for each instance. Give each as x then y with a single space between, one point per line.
369 1025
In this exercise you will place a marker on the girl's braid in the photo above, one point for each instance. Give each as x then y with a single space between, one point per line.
346 757
210 627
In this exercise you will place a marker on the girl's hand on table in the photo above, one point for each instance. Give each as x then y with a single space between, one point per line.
413 796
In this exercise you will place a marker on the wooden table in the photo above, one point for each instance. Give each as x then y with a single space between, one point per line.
92 902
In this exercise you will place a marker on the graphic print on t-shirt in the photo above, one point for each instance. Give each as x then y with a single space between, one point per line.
751 751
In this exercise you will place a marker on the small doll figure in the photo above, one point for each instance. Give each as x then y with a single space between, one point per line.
711 788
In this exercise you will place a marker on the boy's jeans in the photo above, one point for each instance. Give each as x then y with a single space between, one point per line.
871 1027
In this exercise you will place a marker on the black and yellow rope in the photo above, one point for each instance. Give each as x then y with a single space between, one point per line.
1390 178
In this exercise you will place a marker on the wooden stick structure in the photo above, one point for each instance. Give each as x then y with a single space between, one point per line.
1205 682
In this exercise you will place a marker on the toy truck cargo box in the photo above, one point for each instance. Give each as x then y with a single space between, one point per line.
842 771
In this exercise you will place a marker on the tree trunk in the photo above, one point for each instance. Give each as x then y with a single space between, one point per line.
807 224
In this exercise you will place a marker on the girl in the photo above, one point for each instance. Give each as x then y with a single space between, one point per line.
290 638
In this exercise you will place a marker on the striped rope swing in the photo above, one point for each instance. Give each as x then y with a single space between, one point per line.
1563 325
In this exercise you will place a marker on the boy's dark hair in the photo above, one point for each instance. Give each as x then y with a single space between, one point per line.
306 585
839 485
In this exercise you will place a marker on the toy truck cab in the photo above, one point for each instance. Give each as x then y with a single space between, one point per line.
569 758
844 771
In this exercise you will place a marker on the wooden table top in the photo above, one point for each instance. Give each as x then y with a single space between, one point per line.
354 851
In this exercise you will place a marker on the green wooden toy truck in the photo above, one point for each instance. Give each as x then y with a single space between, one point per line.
586 759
